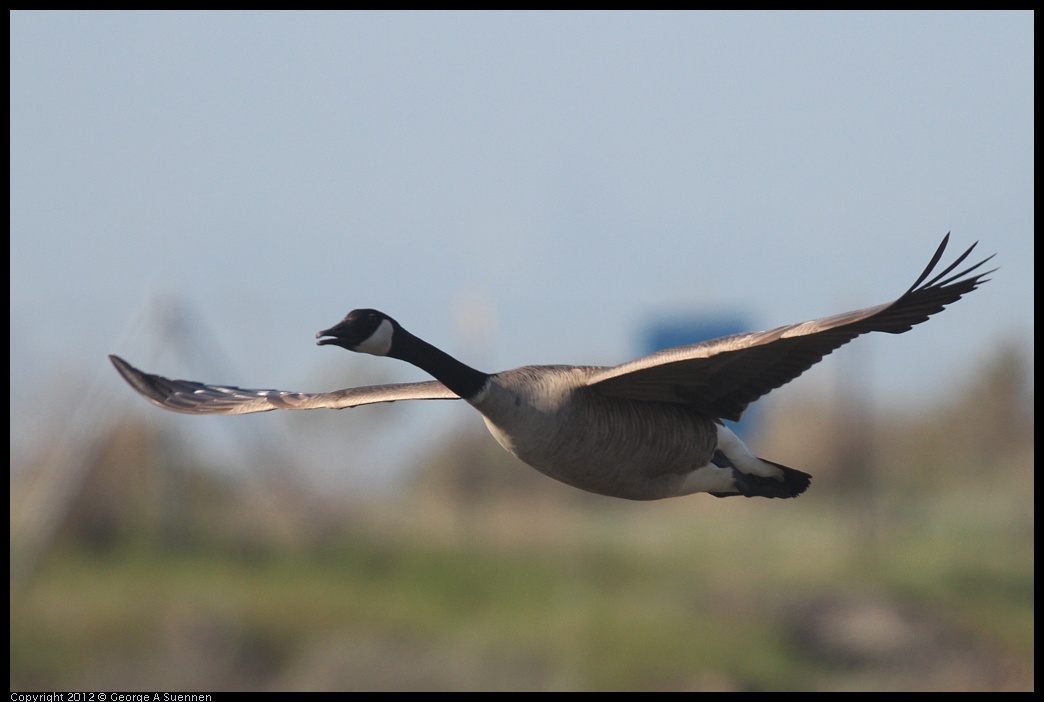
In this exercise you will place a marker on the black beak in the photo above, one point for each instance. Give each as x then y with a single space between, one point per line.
331 332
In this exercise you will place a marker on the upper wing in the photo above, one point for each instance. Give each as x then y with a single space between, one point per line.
196 398
721 377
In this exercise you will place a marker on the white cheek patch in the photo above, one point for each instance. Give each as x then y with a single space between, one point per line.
379 343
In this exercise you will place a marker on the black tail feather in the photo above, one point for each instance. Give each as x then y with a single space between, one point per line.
793 483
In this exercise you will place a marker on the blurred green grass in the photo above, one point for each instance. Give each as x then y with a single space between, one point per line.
626 598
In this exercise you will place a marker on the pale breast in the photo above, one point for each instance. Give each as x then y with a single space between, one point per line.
549 418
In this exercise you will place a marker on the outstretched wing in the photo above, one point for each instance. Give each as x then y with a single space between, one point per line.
196 398
721 377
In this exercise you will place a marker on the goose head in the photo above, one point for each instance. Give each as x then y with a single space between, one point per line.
364 331
375 333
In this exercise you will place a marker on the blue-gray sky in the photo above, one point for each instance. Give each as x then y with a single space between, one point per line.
571 173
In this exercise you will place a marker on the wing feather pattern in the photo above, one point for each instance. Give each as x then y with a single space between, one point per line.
721 377
191 397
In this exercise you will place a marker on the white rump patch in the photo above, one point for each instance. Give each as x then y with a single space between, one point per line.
741 456
708 478
379 343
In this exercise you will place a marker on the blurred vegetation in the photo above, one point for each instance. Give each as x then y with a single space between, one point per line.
483 574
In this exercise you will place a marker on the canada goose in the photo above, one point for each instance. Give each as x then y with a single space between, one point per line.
642 430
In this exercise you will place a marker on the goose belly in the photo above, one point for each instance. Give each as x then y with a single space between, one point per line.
629 449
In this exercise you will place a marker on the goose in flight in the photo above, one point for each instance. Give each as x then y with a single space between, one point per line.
643 430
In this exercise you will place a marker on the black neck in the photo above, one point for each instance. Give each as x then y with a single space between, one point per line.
458 377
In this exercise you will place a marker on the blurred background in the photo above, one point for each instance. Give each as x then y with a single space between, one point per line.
202 192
